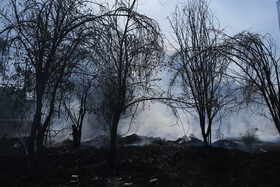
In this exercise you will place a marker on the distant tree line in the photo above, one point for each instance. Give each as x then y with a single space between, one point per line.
83 57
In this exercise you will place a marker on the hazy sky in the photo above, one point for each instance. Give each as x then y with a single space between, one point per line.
237 15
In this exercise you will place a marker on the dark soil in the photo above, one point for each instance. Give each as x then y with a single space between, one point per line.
154 165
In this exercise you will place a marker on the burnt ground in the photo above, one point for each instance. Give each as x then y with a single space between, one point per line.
153 165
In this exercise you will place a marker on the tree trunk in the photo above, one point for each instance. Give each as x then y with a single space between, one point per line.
32 157
205 141
113 141
36 127
209 132
31 153
277 123
40 149
75 135
210 139
80 128
203 133
79 135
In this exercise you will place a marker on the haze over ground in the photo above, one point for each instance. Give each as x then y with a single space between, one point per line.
235 15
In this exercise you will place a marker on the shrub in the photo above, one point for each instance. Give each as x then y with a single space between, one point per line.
250 137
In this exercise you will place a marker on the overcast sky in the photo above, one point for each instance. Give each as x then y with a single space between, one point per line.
237 15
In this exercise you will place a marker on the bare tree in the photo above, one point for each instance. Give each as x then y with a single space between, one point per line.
3 51
250 137
199 69
79 101
257 72
43 36
130 50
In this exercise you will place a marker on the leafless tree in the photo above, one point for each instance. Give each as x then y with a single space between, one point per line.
130 50
199 69
42 37
257 72
77 103
3 46
249 138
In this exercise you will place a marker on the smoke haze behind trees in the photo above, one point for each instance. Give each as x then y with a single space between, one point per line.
51 41
157 120
259 16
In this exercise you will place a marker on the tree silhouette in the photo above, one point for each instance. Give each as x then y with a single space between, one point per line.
199 69
43 37
130 50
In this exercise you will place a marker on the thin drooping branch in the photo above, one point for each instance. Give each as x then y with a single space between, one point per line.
258 74
199 68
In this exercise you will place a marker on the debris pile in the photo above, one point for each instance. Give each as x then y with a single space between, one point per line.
152 165
98 141
229 144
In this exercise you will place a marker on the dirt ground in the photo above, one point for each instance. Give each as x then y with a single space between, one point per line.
154 165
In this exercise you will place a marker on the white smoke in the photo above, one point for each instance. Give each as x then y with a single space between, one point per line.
158 121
